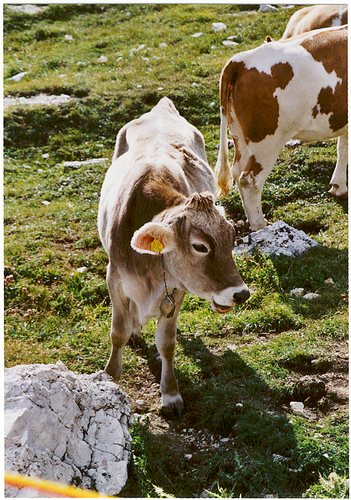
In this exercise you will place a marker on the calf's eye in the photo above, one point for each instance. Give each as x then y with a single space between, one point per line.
199 247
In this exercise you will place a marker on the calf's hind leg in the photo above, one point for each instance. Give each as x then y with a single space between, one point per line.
338 180
121 325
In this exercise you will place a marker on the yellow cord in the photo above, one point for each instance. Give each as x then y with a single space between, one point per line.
19 481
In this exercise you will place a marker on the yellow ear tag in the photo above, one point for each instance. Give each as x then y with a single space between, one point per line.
156 246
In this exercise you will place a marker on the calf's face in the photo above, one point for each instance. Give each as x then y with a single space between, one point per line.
197 241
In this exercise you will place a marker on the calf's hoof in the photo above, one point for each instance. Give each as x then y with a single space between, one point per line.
172 407
337 192
113 371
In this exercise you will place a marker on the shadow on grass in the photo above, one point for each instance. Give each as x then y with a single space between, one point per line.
229 401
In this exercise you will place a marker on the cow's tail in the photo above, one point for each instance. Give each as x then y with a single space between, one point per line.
222 169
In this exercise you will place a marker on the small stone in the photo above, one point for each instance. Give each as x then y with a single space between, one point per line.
311 296
68 38
197 35
102 59
19 76
297 407
292 143
229 43
267 8
139 86
194 84
162 45
45 202
239 405
82 270
27 167
140 405
235 38
45 156
188 456
216 27
329 281
297 292
224 440
160 88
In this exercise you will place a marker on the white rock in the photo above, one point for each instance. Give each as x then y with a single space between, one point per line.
277 239
45 156
219 27
28 8
297 407
188 456
77 164
68 38
297 292
329 281
102 59
197 35
229 43
267 8
71 427
162 45
311 296
239 405
225 440
45 202
292 143
39 99
18 77
82 270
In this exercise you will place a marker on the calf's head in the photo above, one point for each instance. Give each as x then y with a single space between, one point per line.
196 241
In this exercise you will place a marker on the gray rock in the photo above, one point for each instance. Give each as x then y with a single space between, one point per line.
267 8
329 281
229 43
277 239
216 27
311 296
297 407
18 77
197 35
29 9
72 165
297 292
65 427
39 99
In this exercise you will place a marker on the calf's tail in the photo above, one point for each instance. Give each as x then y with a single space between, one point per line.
222 169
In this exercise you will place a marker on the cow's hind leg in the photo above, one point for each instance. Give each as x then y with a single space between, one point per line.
121 326
171 401
338 180
250 172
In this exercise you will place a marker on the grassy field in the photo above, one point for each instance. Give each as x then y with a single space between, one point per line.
237 373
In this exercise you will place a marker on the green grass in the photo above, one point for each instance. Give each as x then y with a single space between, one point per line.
238 372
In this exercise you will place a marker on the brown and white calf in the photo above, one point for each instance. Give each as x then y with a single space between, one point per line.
315 17
288 89
160 227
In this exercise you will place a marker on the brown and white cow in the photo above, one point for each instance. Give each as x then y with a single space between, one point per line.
288 89
315 17
160 228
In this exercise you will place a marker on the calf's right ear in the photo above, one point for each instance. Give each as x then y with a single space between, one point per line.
153 238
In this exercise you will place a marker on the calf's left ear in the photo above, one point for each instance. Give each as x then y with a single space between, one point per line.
153 238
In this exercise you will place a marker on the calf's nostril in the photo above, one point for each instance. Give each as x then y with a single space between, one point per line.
240 297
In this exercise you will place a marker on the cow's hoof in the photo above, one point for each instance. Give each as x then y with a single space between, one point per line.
337 192
173 409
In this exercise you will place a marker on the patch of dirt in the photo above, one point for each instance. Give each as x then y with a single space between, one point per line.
321 384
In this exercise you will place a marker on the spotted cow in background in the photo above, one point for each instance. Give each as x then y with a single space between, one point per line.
289 89
164 236
315 17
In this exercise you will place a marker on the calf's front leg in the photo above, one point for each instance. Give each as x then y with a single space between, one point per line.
171 401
